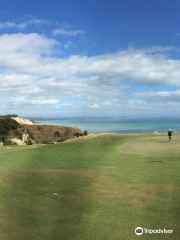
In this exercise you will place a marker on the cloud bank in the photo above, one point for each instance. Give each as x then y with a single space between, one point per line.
33 76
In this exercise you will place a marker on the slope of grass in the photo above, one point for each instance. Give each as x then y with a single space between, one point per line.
103 193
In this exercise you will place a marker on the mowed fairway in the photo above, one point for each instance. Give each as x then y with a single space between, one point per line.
104 191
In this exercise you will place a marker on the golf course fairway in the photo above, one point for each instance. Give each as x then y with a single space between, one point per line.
96 189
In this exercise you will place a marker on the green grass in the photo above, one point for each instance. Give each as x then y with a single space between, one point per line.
104 193
153 146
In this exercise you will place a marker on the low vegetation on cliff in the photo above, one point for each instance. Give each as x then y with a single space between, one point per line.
12 133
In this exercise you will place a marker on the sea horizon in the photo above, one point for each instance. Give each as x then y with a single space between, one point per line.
126 125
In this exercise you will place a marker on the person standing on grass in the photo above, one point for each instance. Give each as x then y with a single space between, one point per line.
170 135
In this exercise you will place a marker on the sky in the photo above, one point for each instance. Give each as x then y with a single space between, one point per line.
90 58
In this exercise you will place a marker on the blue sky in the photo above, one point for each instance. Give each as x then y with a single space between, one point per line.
90 58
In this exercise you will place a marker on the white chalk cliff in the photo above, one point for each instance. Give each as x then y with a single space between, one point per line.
23 120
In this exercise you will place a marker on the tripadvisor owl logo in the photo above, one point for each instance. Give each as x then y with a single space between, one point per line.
138 231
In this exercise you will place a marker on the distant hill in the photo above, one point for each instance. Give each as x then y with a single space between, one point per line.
9 116
12 132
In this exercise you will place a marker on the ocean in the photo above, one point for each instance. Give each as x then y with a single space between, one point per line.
115 125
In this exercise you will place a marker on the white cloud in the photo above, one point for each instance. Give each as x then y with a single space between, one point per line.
38 22
24 52
32 76
12 25
69 33
68 44
95 105
24 102
17 49
24 24
167 96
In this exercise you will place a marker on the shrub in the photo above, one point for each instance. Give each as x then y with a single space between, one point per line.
61 140
8 124
18 135
67 132
56 134
3 131
3 138
9 142
29 142
30 134
85 133
77 134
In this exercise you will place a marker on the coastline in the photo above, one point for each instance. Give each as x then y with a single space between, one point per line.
114 125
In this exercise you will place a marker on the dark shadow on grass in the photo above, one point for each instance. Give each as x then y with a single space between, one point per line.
163 142
30 210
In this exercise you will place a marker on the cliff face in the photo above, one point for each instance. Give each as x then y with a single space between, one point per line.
12 132
49 134
23 120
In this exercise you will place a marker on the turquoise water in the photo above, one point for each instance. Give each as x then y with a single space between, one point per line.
115 125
